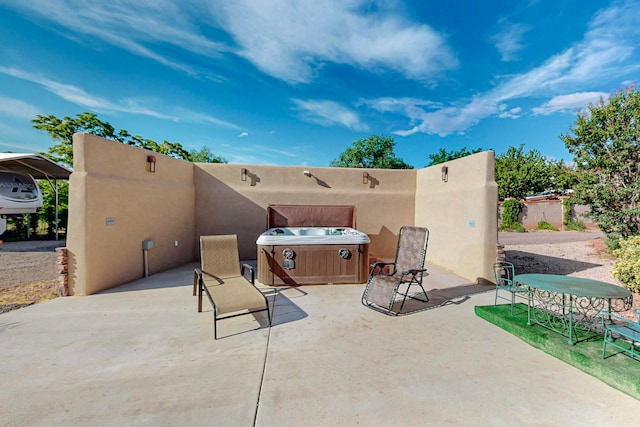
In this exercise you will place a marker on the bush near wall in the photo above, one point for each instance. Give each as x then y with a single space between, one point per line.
510 212
627 266
557 212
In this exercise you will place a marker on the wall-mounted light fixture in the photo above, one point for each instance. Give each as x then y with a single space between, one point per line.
243 174
307 173
445 173
365 177
152 163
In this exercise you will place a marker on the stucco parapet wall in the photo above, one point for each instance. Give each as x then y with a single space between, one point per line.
459 205
227 202
117 201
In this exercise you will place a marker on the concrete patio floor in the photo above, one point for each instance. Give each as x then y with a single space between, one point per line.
140 354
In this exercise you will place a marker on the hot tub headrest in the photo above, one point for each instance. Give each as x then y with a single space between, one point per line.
311 216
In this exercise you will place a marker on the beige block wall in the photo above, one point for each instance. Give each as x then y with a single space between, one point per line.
182 201
534 212
226 204
110 182
461 214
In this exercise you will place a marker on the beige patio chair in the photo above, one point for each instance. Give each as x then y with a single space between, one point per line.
387 278
222 279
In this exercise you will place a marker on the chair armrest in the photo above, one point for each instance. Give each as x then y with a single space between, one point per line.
197 276
604 314
247 266
380 266
414 271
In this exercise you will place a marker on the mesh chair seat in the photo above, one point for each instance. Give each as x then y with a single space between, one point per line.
222 280
407 270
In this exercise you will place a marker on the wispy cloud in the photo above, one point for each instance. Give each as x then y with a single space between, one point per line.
569 103
508 39
608 50
508 113
136 26
243 135
93 102
287 39
261 155
18 108
329 113
292 39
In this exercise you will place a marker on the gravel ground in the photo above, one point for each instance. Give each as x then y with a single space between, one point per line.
568 253
28 262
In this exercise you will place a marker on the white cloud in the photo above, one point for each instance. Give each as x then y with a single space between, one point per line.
508 39
87 100
287 39
569 103
511 113
243 135
329 113
606 51
292 39
133 25
18 108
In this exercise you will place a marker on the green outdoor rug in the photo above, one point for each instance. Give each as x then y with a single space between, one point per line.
617 370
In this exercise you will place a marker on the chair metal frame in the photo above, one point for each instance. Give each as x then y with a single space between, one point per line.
241 280
503 273
625 329
409 276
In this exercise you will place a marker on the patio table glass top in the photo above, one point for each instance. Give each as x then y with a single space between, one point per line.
576 286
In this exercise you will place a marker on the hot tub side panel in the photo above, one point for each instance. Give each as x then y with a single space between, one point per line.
312 264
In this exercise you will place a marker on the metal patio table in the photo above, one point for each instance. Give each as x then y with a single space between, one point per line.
569 305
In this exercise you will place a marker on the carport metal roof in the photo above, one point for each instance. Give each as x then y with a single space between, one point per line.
35 165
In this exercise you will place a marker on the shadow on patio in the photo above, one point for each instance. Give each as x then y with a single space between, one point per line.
141 354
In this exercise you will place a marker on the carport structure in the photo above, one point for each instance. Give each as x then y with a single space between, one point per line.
39 167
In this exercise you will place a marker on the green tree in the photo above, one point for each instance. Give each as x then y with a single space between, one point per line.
204 155
563 177
519 173
47 212
62 130
605 143
371 152
442 155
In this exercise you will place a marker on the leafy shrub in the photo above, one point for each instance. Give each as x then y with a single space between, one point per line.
510 213
612 241
574 226
627 266
569 223
544 225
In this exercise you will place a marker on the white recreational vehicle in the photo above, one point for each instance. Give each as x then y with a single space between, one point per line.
19 194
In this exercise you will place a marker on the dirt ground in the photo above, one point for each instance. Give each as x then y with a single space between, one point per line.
28 273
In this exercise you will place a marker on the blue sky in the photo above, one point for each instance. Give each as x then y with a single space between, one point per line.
295 82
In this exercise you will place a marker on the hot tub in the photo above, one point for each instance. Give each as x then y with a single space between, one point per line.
312 255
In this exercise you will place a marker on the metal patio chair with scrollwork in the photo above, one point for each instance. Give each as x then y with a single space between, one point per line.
625 330
503 273
387 280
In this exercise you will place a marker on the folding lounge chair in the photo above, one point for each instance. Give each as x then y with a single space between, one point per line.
222 279
407 270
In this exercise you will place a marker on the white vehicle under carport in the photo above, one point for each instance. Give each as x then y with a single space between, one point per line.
19 194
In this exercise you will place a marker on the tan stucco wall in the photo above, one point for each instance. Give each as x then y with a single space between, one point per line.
461 214
110 180
182 201
226 204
